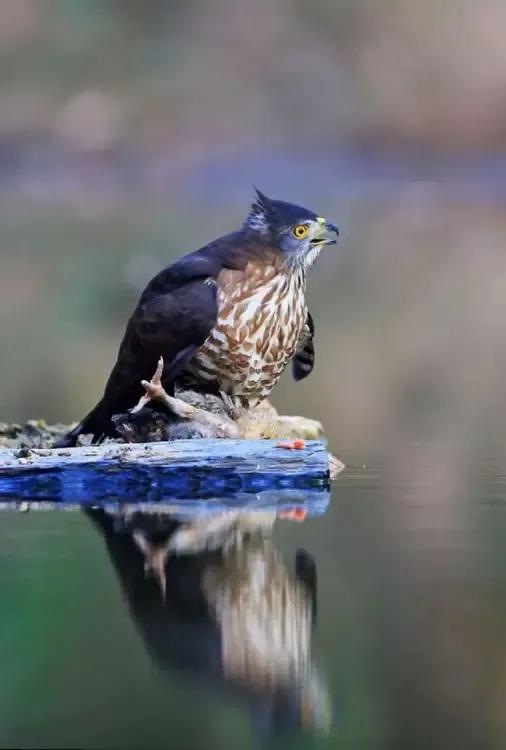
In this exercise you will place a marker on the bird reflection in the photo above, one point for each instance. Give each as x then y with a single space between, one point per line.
212 597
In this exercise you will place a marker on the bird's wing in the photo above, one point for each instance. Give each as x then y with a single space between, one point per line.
171 324
175 314
303 361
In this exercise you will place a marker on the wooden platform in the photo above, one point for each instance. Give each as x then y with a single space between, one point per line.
221 471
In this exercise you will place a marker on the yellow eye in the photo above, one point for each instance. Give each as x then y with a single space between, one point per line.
300 231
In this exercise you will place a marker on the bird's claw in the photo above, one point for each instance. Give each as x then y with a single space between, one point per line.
155 557
154 389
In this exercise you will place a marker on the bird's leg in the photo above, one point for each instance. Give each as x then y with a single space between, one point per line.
211 424
155 557
156 392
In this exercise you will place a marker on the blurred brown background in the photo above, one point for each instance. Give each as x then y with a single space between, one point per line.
131 132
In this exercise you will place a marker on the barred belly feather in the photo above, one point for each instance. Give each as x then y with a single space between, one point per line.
260 319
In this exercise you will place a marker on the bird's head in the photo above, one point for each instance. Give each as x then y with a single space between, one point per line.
297 232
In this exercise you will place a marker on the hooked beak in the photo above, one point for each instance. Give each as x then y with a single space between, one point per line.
329 227
326 227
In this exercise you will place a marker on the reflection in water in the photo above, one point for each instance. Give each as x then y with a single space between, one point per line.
214 599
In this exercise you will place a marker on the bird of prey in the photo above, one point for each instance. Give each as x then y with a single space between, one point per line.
226 319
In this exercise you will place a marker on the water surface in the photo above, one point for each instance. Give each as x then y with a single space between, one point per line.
406 646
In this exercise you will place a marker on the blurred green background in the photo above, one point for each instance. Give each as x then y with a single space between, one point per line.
131 132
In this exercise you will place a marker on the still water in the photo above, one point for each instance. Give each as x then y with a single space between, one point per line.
377 624
392 625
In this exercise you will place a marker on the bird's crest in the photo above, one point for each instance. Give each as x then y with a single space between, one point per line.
258 217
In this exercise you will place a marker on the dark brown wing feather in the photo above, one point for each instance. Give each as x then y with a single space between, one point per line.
171 325
175 314
303 361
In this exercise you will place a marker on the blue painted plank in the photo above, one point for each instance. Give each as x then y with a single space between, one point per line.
186 470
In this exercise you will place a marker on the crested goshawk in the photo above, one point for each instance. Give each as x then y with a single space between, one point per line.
227 318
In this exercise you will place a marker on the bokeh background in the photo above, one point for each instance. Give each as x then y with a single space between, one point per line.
131 132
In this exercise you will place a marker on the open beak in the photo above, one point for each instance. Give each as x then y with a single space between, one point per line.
326 228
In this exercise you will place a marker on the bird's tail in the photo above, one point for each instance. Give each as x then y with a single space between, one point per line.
97 423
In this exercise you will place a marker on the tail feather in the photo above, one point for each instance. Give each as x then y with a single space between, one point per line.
97 423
